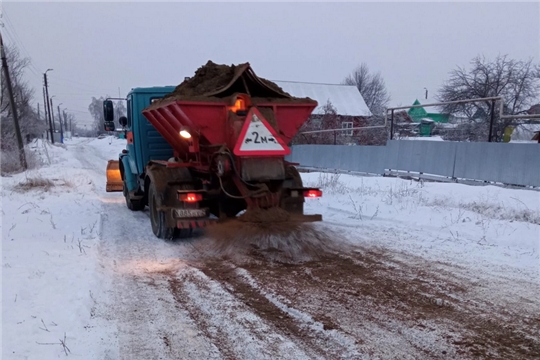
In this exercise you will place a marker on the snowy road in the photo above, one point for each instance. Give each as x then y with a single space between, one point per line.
393 289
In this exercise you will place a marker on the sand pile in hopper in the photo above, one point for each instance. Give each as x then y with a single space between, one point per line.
282 239
207 78
212 77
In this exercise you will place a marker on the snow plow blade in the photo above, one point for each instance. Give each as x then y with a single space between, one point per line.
114 179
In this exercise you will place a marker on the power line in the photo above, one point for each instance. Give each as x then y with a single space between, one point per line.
73 81
30 66
13 41
20 43
81 87
79 111
73 94
78 93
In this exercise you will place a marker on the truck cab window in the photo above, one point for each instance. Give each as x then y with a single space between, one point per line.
129 114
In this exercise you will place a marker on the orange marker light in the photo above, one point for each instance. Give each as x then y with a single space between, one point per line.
239 104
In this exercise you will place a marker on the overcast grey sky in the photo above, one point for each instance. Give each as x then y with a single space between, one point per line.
96 48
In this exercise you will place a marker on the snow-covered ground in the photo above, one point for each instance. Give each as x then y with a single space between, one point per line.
478 226
437 270
50 262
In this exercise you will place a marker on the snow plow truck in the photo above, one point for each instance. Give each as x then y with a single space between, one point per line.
211 149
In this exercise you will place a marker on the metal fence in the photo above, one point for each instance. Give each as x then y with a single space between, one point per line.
514 164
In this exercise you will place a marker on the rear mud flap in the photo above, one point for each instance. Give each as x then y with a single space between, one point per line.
195 224
114 178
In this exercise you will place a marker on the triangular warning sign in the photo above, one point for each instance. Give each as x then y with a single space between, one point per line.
259 138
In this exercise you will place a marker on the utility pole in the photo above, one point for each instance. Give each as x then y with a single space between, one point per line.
22 155
492 118
45 110
48 106
67 128
61 127
52 111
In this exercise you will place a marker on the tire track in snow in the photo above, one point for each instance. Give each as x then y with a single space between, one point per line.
149 323
229 319
311 336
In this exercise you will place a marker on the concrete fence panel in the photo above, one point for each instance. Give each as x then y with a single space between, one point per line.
517 164
506 163
432 157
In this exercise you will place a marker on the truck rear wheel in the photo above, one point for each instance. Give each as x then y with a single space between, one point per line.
183 233
294 180
231 207
157 217
133 205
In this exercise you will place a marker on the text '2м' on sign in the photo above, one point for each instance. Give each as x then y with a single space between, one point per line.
259 138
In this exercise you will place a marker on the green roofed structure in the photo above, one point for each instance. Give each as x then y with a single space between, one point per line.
419 113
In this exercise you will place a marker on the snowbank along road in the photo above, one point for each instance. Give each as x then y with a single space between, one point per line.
409 270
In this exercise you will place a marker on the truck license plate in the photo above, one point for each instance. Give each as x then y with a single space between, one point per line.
189 213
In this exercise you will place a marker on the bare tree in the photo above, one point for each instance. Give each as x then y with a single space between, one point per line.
17 65
23 94
377 136
31 126
96 110
329 119
311 124
516 81
372 88
119 110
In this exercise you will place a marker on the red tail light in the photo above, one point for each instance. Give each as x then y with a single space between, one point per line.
312 193
190 197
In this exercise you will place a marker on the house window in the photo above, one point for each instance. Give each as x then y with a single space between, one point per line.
347 125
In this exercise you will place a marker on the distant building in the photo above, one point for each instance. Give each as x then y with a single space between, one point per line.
348 110
525 132
534 110
418 114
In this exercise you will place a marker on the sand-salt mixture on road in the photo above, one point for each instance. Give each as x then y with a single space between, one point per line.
270 234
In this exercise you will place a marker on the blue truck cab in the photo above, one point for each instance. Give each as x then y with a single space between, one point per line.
144 142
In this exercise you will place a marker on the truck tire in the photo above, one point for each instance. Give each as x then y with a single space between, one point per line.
231 207
183 233
294 180
133 205
157 218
